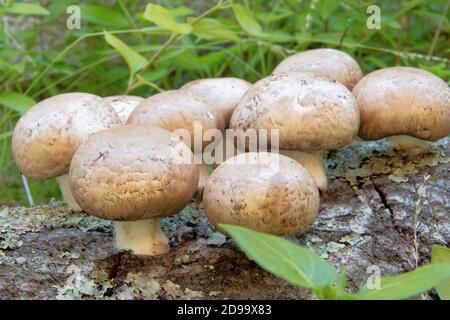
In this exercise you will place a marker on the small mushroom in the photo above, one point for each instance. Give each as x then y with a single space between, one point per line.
407 105
312 114
123 105
331 63
47 135
222 94
178 111
266 192
134 175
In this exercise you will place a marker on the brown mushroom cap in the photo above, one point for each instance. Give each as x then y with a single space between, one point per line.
133 172
174 110
267 192
123 105
403 101
331 63
223 94
312 113
48 134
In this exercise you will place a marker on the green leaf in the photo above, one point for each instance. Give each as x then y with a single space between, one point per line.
5 135
103 16
16 101
341 282
134 60
163 18
326 7
212 29
407 285
183 58
293 263
441 254
246 20
143 81
27 9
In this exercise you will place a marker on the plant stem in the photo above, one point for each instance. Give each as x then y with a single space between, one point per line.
62 53
131 21
438 29
27 191
174 37
344 33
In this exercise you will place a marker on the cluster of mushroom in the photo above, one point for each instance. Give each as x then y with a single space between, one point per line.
132 160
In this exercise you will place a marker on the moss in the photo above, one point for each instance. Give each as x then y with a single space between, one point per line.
365 159
174 291
51 216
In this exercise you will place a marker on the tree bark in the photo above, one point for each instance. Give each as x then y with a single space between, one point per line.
366 221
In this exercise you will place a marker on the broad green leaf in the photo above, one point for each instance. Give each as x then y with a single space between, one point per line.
293 263
212 29
134 60
103 16
441 254
246 20
407 285
27 9
16 101
278 36
165 19
181 11
326 7
341 282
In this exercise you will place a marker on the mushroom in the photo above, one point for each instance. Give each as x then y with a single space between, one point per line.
47 135
134 175
188 115
266 192
331 63
407 105
123 105
222 94
312 114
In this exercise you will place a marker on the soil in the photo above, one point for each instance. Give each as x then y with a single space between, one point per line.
366 219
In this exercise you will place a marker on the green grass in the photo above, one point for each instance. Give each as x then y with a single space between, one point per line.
45 59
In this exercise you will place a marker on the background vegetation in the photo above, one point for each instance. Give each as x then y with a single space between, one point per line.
40 57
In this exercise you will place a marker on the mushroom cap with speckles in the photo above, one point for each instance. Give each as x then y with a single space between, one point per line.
403 101
174 110
133 172
48 134
123 105
311 112
222 94
267 192
331 63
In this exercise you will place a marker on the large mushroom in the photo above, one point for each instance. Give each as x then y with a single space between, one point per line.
47 135
187 115
134 175
123 105
267 192
331 63
407 105
222 94
312 114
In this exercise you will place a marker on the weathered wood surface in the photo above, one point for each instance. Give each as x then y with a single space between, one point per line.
366 219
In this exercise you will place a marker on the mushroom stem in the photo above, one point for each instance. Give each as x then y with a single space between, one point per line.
312 162
64 186
143 237
408 144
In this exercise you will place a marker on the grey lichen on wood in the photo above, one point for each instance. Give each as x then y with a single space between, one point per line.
366 219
